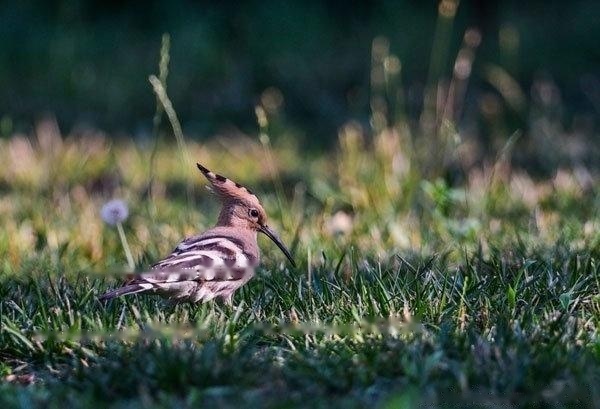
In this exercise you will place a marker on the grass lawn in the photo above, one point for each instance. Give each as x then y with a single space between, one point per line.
409 291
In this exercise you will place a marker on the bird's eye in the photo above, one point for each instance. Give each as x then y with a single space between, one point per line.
253 213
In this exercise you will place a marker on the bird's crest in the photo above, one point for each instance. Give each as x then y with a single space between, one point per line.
226 188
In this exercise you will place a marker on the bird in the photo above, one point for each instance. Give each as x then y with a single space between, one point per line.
213 264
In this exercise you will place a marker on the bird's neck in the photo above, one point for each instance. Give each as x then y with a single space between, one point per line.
228 218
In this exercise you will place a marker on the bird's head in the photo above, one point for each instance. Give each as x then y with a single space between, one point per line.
241 208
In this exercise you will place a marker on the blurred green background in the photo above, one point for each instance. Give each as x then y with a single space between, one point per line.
87 62
432 165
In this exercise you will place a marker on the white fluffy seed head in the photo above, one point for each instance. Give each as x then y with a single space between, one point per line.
114 211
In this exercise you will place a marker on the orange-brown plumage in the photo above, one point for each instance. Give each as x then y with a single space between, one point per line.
217 262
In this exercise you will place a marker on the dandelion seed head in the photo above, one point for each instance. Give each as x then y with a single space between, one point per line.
114 211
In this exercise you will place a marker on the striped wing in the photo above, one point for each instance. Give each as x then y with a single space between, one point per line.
199 269
208 254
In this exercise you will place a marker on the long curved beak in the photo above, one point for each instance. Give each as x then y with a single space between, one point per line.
273 236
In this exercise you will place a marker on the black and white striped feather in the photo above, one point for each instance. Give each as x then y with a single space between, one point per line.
200 268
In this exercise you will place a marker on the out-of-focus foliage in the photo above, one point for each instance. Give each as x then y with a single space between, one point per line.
408 289
447 244
88 61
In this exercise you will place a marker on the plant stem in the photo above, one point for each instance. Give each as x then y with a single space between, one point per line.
130 261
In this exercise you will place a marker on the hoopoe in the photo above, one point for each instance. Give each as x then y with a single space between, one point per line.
217 262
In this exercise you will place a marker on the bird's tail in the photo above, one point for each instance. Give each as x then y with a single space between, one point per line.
126 290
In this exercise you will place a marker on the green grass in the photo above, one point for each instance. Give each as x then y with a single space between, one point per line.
409 291
424 278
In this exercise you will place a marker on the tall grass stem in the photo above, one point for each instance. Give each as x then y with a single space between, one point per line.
162 96
126 248
163 72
